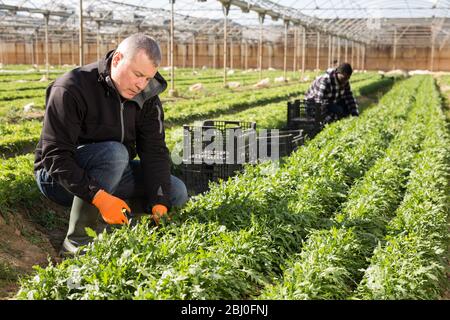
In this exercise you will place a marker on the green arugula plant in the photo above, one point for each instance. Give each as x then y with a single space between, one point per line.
275 211
330 263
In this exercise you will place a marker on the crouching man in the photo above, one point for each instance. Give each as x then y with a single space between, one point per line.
98 118
332 92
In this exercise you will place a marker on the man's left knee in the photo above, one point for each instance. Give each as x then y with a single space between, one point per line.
179 194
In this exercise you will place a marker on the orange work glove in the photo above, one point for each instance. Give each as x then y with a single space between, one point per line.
111 208
158 211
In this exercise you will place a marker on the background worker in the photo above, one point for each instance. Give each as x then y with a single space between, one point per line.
98 118
332 92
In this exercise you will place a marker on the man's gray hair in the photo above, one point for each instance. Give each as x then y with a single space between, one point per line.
131 45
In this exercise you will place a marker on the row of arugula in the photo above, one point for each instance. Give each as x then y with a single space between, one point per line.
17 184
19 137
358 212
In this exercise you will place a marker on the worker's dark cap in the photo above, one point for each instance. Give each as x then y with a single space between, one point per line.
345 68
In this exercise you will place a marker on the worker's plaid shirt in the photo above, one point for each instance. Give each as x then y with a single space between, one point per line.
326 90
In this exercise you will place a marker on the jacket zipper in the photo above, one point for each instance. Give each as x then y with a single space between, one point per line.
122 127
159 119
121 122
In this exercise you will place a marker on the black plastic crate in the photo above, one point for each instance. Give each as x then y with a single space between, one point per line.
198 176
287 140
228 143
229 124
293 110
307 117
201 164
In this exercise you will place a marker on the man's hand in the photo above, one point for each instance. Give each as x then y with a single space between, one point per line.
158 211
111 208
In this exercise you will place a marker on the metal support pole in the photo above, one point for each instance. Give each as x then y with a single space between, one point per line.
303 51
270 49
25 50
286 25
32 52
81 42
358 56
15 52
364 58
47 63
60 53
214 53
433 38
299 50
2 46
98 40
168 48
346 50
231 53
241 53
361 52
394 51
3 51
260 48
193 52
226 10
318 53
172 68
246 55
72 49
353 54
329 51
333 42
37 48
185 53
294 66
339 50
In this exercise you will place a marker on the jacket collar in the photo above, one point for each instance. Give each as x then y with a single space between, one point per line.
155 86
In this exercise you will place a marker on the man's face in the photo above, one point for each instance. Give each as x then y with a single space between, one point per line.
343 78
131 76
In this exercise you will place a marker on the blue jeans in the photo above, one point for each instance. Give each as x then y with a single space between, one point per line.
109 163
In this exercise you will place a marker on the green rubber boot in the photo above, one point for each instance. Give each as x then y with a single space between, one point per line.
82 215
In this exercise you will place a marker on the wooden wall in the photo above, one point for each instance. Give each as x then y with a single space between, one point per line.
376 58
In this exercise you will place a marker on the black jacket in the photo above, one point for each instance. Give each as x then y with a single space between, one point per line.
82 107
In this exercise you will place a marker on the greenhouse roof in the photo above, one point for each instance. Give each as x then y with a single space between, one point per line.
382 23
